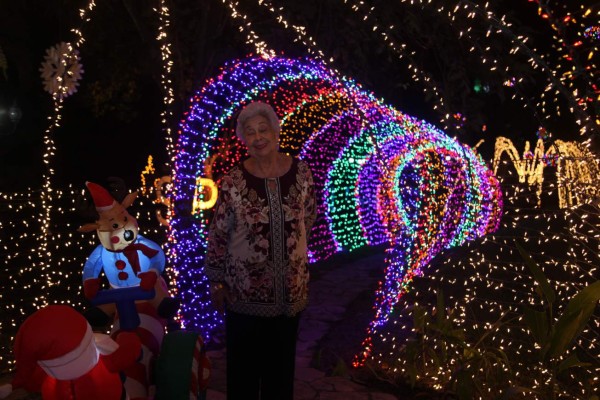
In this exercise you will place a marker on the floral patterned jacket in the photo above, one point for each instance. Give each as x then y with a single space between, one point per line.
257 240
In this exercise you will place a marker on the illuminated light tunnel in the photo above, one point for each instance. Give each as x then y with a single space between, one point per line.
381 176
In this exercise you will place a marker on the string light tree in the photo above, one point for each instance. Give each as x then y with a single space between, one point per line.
38 268
42 273
61 71
33 271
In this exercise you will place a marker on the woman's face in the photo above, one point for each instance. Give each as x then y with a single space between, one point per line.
259 137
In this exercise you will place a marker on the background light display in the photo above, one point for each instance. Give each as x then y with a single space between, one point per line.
381 176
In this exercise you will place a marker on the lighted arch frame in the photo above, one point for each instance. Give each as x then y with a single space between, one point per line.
349 139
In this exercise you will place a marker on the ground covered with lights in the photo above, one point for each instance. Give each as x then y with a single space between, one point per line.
468 324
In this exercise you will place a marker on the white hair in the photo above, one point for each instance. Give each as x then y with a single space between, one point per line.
252 110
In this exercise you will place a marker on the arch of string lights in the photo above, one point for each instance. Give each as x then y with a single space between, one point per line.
381 176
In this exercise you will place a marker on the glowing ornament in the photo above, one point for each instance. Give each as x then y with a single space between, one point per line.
592 32
149 169
460 120
543 134
550 160
61 70
205 196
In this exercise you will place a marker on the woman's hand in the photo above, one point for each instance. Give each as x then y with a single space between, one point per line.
220 296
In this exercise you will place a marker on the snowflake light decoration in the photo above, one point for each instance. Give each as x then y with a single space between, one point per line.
61 70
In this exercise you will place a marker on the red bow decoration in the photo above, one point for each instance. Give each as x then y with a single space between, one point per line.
132 255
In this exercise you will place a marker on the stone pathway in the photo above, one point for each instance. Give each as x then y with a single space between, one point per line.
331 290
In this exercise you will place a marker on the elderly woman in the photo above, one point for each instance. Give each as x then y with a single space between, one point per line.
257 259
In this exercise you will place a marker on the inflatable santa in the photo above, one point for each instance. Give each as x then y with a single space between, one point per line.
57 354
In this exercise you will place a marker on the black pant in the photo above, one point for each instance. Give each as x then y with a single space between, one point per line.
261 356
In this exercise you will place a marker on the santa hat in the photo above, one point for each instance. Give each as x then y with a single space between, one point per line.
102 198
56 339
